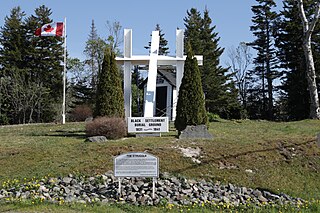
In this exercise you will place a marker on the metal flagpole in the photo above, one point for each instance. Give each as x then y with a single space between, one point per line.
64 73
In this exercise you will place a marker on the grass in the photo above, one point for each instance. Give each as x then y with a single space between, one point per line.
280 157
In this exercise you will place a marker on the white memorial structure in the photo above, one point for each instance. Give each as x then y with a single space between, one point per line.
153 60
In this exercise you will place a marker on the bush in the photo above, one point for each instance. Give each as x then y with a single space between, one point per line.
4 120
111 128
212 117
81 113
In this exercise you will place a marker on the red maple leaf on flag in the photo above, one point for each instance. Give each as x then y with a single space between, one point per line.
48 28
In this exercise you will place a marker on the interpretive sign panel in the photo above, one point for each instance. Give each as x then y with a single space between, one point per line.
136 164
148 124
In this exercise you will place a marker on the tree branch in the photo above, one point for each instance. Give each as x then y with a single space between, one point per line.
308 28
303 16
316 17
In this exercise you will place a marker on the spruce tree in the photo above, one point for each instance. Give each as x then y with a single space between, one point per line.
109 97
45 63
12 52
291 57
264 73
12 39
12 64
191 104
163 43
217 82
192 34
296 98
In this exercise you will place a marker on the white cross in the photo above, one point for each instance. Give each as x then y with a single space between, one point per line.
154 60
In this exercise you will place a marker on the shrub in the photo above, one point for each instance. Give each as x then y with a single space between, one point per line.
191 103
109 96
111 128
212 117
81 113
4 120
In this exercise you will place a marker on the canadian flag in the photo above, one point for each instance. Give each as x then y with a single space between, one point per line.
52 29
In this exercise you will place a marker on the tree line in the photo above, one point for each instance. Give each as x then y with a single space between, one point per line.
273 84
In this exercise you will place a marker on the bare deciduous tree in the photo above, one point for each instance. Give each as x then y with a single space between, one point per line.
115 35
308 28
239 62
23 95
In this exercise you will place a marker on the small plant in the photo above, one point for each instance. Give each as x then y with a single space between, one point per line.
81 113
112 128
4 120
212 117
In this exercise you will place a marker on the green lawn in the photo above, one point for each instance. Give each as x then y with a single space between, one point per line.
280 157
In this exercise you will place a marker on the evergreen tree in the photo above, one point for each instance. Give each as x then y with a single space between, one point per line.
12 42
295 98
217 82
192 34
191 104
163 43
45 61
109 98
264 73
31 68
290 54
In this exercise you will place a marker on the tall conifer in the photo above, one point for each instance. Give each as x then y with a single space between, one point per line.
109 98
264 73
217 83
163 43
191 104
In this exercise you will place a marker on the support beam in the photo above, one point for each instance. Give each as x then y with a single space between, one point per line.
127 72
179 69
150 100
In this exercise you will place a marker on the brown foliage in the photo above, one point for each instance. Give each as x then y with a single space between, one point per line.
111 128
81 113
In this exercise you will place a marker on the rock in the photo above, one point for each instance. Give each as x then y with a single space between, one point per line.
138 191
257 193
262 199
89 119
43 189
163 193
231 187
97 139
225 199
135 188
132 198
270 196
139 184
195 132
244 190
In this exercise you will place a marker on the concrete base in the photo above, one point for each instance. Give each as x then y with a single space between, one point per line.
148 135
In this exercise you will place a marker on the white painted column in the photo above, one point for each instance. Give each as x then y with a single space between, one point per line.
179 68
150 99
127 72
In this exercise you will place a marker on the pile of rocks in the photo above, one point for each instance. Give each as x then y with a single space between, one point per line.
169 189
